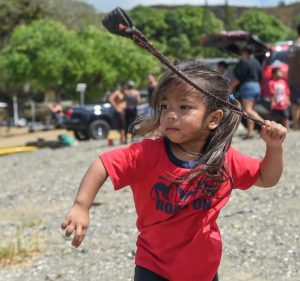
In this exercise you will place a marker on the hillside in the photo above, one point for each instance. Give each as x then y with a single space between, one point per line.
285 14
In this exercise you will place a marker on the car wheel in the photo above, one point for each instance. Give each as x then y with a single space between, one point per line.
81 135
99 129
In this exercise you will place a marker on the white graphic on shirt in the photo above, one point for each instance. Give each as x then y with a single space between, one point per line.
279 94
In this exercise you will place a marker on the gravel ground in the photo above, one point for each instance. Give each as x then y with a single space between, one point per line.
259 227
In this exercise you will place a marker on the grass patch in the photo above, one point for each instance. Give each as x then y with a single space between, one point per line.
33 223
17 248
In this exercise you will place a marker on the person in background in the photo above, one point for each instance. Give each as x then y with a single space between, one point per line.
132 98
55 111
293 61
117 100
248 76
280 97
225 71
152 83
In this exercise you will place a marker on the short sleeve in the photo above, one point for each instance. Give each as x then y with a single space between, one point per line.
241 71
243 169
125 165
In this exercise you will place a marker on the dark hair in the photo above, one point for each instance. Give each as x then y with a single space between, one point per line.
275 69
219 140
223 63
150 73
249 49
298 28
124 85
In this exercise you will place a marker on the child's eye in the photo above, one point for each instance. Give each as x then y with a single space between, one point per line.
164 106
185 107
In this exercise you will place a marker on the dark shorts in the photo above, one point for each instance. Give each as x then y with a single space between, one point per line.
144 274
295 93
121 120
277 113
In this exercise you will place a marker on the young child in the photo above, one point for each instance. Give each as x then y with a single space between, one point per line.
181 181
280 97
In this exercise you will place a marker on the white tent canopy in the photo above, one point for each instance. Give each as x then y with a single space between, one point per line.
3 104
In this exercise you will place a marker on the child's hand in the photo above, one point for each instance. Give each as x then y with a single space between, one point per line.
78 219
273 133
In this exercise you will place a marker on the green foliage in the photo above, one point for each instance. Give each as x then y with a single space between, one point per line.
72 13
48 55
14 13
176 31
266 27
229 20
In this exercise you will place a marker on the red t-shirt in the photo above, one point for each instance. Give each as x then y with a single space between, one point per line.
179 238
280 90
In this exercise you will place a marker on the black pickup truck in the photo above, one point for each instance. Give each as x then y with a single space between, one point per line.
96 120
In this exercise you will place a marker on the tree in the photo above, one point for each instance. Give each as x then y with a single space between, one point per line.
15 13
229 20
176 32
72 13
46 54
268 28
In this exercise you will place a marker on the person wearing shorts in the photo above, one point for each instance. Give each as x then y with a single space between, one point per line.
293 61
248 76
280 97
117 100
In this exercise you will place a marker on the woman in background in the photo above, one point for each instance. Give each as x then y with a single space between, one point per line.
248 76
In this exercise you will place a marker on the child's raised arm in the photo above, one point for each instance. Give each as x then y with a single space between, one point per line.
78 217
271 166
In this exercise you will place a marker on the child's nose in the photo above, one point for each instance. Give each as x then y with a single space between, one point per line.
172 116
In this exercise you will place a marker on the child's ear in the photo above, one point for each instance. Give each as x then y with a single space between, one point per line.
215 119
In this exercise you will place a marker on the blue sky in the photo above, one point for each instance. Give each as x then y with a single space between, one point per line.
108 5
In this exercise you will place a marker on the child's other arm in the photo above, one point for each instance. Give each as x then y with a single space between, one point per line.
271 166
272 101
78 217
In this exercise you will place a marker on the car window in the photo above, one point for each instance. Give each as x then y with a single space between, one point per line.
277 58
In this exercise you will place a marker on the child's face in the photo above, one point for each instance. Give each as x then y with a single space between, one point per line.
278 74
182 116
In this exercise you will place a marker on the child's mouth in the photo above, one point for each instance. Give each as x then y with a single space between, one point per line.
172 129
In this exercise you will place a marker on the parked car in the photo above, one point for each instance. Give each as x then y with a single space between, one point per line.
270 57
96 120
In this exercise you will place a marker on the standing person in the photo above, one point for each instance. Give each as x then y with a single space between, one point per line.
152 83
117 100
132 98
293 61
177 198
248 75
223 69
280 97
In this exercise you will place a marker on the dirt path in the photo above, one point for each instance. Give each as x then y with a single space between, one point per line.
259 227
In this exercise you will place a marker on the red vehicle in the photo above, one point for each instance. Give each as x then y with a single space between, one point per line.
274 58
270 57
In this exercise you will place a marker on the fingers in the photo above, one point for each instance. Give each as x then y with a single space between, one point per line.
79 236
65 224
70 230
273 130
266 128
